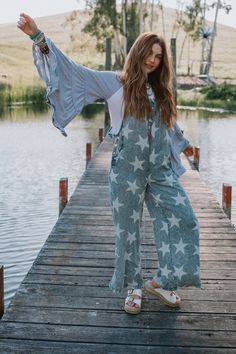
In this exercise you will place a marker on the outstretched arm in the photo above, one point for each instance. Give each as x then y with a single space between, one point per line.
70 86
27 25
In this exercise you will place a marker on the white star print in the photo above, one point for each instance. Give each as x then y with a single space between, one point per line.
118 230
132 187
157 199
196 250
179 199
126 131
131 237
137 164
166 138
165 271
113 176
149 179
170 180
154 130
153 157
135 216
197 271
164 227
127 257
174 221
165 248
137 271
195 228
141 197
116 204
116 253
180 246
142 143
179 272
166 161
152 219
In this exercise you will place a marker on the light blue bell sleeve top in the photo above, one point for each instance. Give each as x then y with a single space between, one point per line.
71 86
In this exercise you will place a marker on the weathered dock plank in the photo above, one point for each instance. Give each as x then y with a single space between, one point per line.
64 304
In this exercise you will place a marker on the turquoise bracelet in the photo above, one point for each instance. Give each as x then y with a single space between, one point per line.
35 35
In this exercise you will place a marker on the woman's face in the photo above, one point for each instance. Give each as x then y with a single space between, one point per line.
153 60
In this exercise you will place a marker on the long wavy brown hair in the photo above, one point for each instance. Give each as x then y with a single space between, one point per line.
135 81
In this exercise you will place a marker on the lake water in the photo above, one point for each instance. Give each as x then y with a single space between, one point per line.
34 156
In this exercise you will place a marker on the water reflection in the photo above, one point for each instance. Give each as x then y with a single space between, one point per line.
215 134
34 156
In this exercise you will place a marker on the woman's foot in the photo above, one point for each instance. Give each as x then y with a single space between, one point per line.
133 301
170 298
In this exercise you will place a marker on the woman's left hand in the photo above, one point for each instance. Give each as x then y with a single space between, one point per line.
189 151
27 25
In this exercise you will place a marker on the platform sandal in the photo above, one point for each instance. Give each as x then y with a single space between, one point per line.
133 301
170 298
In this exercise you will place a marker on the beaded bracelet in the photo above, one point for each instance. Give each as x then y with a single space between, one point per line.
35 35
40 41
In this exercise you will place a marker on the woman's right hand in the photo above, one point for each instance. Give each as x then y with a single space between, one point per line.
27 24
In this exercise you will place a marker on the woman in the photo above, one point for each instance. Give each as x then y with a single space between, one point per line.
145 163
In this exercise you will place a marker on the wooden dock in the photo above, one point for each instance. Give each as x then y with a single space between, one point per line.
64 304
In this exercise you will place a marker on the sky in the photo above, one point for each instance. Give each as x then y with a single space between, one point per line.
10 9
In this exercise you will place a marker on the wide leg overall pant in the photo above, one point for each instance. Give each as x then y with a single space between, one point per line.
141 171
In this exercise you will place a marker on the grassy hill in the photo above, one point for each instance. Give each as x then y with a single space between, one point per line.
16 58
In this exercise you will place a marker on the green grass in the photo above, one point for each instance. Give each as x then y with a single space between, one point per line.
217 96
24 95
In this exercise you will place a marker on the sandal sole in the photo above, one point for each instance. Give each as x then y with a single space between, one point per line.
132 312
160 297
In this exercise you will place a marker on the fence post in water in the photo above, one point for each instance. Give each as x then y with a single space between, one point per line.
227 199
1 291
63 194
88 152
100 134
196 157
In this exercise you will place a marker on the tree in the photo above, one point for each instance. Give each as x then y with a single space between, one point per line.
208 36
191 23
119 20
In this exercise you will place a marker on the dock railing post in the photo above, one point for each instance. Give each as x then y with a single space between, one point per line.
100 134
107 119
88 152
196 157
63 194
1 291
227 199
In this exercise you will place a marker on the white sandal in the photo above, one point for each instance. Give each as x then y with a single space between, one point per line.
135 297
170 298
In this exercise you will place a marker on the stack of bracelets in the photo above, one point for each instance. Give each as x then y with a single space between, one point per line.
40 41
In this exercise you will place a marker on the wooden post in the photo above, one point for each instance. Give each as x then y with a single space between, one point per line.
108 62
173 55
63 194
1 291
107 120
100 134
227 199
108 65
88 152
196 157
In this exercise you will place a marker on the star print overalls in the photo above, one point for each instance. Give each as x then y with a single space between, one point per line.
141 171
